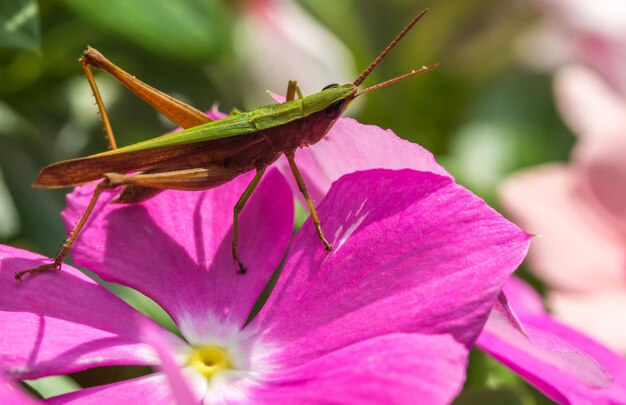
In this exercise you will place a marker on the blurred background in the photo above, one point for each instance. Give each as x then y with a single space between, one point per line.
485 112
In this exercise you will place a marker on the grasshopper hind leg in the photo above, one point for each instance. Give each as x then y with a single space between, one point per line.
57 261
103 113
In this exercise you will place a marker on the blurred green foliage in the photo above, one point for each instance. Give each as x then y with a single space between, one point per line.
19 27
481 113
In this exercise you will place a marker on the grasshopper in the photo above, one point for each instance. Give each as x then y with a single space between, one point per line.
206 153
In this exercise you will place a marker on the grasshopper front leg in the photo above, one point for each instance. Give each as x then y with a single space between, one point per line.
189 180
290 155
237 210
292 90
57 261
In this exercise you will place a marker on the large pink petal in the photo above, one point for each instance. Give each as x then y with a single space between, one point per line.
390 369
62 322
575 249
567 366
152 389
351 146
413 252
176 247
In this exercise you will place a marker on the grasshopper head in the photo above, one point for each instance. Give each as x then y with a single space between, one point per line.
333 100
327 106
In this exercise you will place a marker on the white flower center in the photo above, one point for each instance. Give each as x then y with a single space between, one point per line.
224 361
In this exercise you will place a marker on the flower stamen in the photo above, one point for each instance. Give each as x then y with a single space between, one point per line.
209 360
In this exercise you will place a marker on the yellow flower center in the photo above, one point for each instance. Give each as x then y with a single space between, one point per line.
209 360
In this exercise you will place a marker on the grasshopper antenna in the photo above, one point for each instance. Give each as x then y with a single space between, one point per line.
423 69
384 53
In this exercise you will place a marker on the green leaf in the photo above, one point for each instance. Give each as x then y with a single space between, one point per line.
499 396
19 27
54 385
194 30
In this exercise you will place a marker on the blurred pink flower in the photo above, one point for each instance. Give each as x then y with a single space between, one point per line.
281 30
388 316
580 210
592 33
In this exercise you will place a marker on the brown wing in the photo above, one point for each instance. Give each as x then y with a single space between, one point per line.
82 170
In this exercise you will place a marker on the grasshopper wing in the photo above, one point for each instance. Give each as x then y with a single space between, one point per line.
210 143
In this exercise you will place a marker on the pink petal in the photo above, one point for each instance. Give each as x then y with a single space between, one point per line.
591 33
351 146
62 322
589 105
12 394
152 389
216 114
602 171
390 369
604 17
599 314
179 386
565 365
523 298
575 249
176 247
413 252
598 114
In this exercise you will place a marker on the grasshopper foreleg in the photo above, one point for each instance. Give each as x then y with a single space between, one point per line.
292 90
237 210
302 187
57 261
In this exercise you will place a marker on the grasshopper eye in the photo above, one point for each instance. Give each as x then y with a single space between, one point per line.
330 86
336 108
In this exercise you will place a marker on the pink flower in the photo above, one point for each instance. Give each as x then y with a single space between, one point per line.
386 317
565 365
580 212
281 30
592 33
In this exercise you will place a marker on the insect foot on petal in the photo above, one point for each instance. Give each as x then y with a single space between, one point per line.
39 269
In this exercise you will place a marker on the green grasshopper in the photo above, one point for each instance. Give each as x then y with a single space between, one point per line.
206 153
